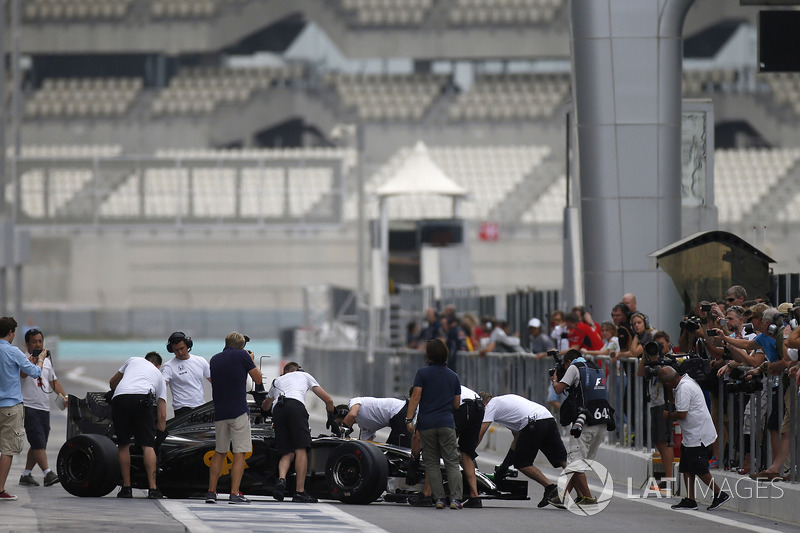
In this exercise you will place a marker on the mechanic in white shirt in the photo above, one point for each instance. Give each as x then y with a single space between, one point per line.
36 394
698 433
372 414
184 374
287 398
534 429
138 407
469 418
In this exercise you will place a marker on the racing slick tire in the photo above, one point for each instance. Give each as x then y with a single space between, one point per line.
357 472
88 465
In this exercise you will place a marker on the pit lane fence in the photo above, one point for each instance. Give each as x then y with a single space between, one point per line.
348 373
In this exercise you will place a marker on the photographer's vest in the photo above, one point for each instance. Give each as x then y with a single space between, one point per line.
595 394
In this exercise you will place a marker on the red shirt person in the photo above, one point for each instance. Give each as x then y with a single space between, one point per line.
581 335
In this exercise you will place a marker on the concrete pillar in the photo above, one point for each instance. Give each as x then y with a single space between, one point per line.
627 57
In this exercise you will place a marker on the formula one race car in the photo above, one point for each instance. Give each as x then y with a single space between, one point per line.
351 471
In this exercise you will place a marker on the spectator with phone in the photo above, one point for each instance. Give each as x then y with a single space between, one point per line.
36 394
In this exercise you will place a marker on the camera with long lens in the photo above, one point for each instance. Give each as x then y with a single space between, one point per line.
559 370
739 385
652 361
691 323
577 426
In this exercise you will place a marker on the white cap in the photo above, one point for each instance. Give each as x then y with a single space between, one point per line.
534 323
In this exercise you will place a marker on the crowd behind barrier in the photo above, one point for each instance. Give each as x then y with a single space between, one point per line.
348 373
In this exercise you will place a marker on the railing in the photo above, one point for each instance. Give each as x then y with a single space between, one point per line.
347 373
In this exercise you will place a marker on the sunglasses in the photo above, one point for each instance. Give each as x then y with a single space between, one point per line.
730 299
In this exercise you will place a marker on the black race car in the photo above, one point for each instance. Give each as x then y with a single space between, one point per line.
352 471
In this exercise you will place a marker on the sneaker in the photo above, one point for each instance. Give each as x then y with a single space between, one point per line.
556 501
685 504
473 503
280 488
713 462
719 499
418 500
456 505
6 497
28 480
50 479
238 499
304 497
441 504
125 492
154 494
551 490
211 497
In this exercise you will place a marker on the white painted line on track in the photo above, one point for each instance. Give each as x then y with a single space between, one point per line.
265 515
76 375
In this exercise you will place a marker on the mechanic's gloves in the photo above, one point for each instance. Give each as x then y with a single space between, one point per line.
160 437
501 470
332 425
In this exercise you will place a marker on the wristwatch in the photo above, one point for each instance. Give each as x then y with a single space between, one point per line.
409 420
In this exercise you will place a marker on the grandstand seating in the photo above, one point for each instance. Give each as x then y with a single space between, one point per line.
199 90
743 177
785 89
387 12
549 207
488 174
83 97
65 151
182 9
511 96
66 10
387 97
697 82
503 12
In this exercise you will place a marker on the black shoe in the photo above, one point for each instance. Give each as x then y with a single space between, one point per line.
154 494
28 480
280 488
686 504
418 500
50 479
473 503
719 499
551 490
303 497
125 492
211 497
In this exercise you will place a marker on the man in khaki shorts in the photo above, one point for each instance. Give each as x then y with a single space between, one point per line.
229 370
12 429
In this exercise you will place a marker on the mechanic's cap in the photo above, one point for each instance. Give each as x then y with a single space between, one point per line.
534 323
246 339
340 411
784 308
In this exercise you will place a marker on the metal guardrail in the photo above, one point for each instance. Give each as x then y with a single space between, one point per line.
346 373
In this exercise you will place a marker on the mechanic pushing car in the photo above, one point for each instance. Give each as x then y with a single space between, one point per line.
287 398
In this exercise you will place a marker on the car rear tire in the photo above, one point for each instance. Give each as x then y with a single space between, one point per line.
357 472
88 465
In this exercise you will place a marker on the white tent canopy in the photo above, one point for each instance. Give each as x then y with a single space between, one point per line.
419 174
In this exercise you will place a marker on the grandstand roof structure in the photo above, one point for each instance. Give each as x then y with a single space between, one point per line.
419 174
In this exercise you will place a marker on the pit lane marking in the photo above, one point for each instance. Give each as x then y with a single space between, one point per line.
265 515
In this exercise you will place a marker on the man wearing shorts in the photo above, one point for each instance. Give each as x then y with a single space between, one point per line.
36 399
12 431
698 435
469 418
138 406
229 371
287 398
534 429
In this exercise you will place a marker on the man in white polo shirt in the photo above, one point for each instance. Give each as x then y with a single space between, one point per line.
534 429
184 374
372 414
698 432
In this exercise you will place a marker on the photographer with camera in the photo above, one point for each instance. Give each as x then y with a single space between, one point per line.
138 408
589 412
698 434
650 363
36 399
